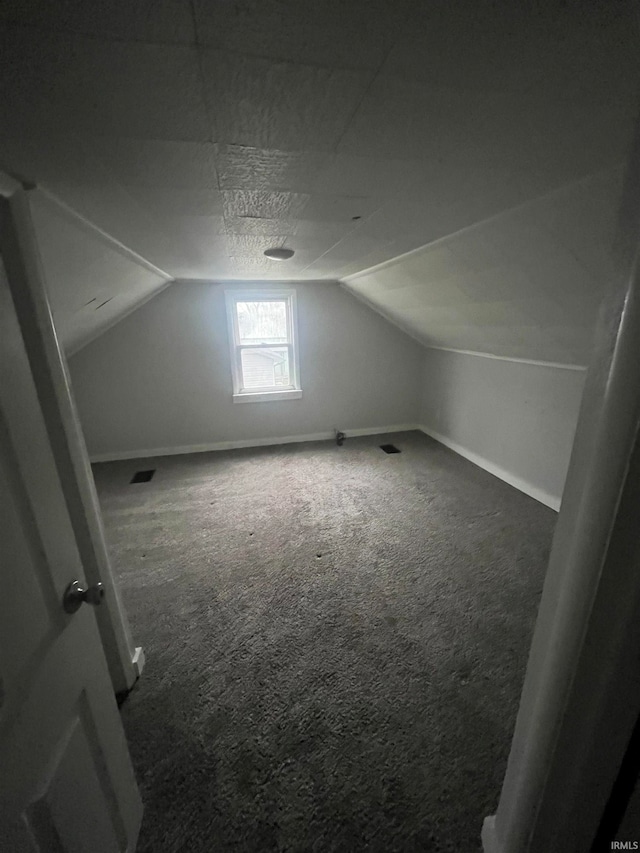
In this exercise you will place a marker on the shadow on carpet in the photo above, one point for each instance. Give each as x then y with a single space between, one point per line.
336 640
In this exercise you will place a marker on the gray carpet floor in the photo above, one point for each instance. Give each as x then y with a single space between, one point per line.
335 639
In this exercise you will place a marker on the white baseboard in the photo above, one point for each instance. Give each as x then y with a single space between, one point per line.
517 482
354 433
138 660
489 839
327 435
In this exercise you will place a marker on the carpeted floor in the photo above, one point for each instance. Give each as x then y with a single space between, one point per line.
335 639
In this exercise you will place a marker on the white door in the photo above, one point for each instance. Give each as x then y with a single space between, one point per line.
66 781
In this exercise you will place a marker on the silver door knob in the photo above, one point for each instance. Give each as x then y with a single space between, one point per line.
75 596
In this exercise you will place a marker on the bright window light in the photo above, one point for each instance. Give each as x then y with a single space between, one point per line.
262 333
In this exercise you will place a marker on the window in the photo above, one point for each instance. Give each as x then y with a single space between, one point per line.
264 356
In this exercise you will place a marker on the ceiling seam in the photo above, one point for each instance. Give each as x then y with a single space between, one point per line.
353 230
496 216
195 42
203 88
375 76
553 237
556 365
106 237
152 218
115 320
282 60
210 116
399 324
93 36
348 124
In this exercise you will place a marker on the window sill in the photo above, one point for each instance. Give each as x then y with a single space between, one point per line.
267 396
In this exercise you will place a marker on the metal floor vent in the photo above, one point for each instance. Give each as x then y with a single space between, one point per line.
389 448
142 476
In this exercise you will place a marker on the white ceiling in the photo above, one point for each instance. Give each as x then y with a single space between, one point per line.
92 282
200 132
524 284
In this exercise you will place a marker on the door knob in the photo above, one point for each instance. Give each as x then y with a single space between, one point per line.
75 595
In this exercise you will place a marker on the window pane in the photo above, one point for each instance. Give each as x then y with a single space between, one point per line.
262 322
265 367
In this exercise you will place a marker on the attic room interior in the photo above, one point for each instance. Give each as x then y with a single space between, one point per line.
319 405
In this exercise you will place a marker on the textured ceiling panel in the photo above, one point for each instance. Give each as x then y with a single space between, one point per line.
261 204
330 33
352 175
200 228
259 267
356 132
527 283
158 163
501 47
268 104
169 21
268 169
55 159
259 225
169 202
251 245
53 82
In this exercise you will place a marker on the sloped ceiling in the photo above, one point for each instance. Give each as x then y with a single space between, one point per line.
524 284
91 281
200 132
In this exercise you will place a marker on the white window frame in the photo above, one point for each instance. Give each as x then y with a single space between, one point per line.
263 395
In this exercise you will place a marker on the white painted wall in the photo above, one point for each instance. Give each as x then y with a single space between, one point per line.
161 378
513 418
160 381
